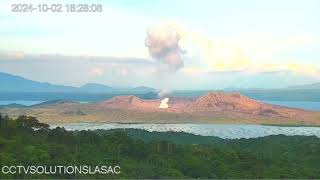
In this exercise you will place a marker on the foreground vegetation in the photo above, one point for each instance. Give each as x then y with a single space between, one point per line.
140 154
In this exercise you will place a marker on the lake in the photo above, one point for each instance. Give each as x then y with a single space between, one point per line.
307 105
26 103
225 131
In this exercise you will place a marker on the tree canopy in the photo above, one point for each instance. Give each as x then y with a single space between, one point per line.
142 154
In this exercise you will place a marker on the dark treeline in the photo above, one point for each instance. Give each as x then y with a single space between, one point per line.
140 154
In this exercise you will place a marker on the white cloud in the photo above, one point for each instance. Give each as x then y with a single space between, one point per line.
97 71
98 34
124 71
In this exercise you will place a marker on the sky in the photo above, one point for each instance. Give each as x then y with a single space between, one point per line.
217 43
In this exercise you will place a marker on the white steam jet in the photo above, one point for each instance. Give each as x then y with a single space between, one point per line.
164 103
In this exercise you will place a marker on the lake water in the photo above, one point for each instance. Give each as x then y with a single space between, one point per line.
307 105
26 103
29 103
225 131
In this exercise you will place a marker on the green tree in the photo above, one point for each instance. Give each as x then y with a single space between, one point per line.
30 122
0 120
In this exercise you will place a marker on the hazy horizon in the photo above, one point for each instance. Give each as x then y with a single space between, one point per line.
166 44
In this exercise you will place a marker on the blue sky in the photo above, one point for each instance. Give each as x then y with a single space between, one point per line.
248 36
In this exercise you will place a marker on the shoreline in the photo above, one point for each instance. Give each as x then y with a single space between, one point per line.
174 123
224 131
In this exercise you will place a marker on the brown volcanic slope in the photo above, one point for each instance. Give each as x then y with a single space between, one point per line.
130 102
238 103
134 103
215 107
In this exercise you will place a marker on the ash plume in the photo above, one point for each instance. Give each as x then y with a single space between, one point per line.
163 45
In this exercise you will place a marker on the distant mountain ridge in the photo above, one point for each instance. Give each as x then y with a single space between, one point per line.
94 87
13 83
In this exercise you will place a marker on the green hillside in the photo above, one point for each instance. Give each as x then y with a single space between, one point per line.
140 154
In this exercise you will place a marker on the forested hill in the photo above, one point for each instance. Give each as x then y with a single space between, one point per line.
141 154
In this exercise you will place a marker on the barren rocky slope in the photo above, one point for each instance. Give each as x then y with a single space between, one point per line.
210 103
215 107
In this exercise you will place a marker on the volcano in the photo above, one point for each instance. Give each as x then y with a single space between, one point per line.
212 103
214 107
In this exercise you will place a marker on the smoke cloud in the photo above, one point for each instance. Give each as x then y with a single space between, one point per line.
163 45
164 92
